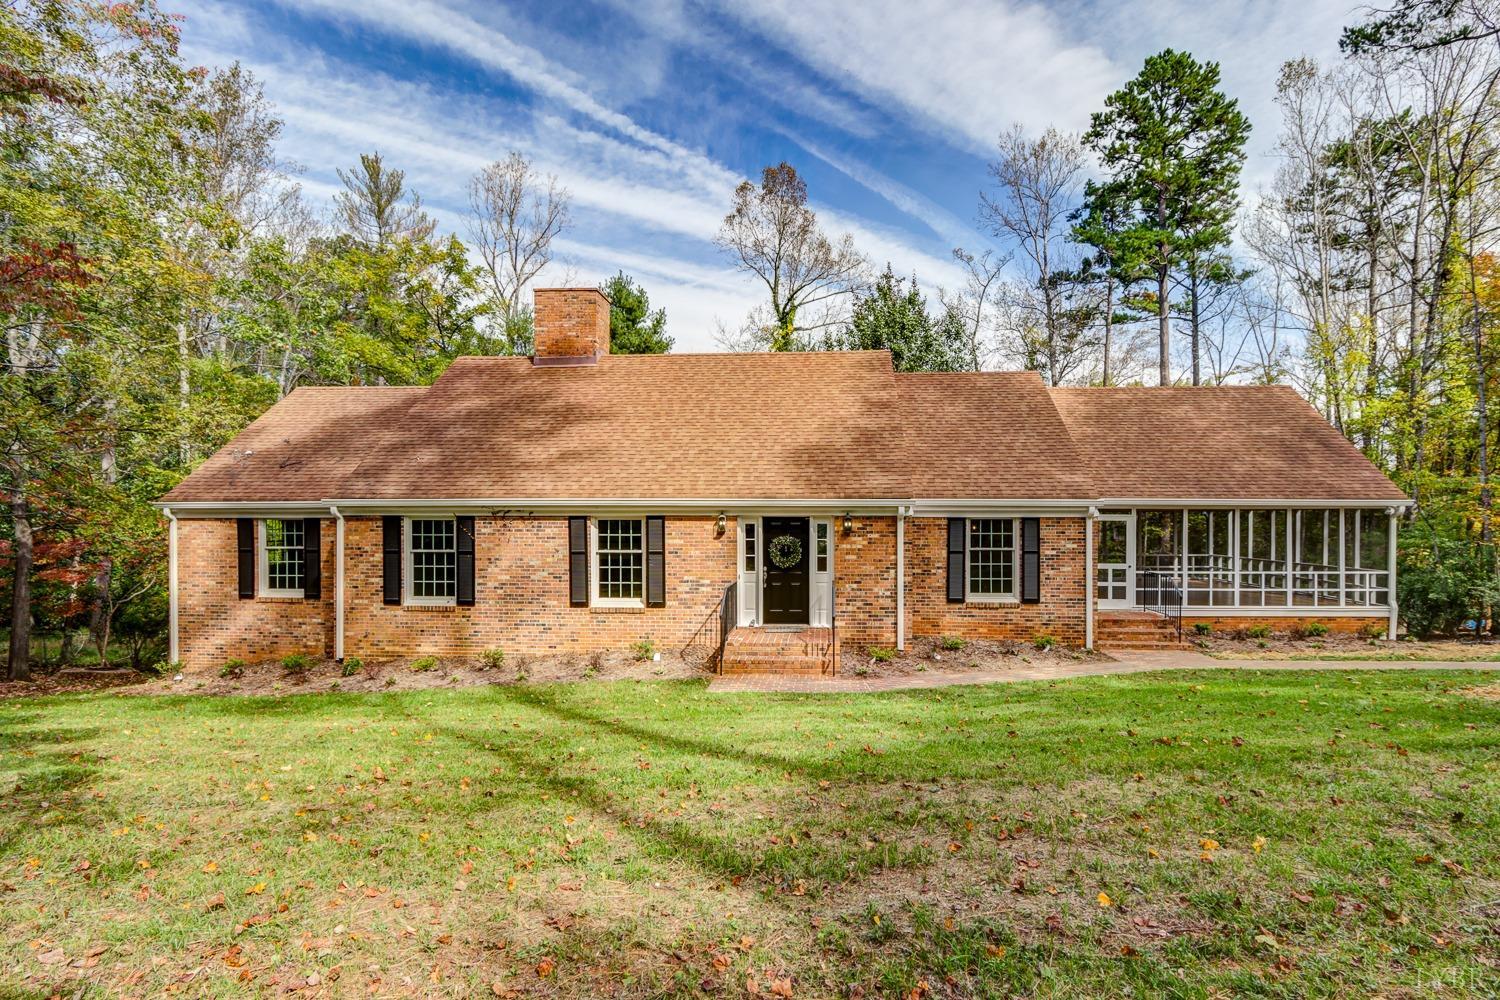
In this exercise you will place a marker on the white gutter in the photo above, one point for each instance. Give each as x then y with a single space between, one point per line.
901 579
1089 587
1247 502
338 584
172 642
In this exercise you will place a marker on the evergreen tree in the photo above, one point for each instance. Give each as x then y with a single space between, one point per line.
1172 145
634 328
893 316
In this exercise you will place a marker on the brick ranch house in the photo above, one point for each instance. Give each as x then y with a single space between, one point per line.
578 500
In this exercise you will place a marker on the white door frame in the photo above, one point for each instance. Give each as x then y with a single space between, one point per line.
1128 566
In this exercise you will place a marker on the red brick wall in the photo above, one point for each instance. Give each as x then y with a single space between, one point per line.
214 624
571 323
864 581
1059 613
521 594
1351 624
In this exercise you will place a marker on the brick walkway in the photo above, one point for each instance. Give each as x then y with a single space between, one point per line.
1122 662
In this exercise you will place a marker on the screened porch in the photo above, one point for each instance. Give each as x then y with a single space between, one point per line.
1217 558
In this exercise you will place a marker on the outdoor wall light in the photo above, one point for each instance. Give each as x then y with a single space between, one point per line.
848 524
720 525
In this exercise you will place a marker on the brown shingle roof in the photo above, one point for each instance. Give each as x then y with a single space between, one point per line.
1215 443
988 434
299 449
690 426
838 425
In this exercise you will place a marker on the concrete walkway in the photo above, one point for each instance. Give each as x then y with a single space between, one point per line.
1122 662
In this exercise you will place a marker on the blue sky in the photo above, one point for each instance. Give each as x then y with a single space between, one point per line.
651 111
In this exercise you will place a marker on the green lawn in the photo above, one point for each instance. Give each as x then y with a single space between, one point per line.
1183 834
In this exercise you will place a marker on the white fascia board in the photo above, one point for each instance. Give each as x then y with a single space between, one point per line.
989 508
1246 503
521 506
261 509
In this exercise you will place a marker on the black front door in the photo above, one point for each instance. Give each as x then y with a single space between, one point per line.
786 584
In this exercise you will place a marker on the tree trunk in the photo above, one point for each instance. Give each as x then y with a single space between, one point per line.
1164 327
1195 317
20 594
1109 324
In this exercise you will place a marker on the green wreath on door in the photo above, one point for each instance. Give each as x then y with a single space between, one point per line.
786 551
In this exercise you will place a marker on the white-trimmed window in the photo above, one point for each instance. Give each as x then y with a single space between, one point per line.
281 563
991 558
619 561
751 544
820 546
431 560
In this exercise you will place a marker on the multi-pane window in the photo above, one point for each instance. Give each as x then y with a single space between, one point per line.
992 558
750 546
820 529
433 560
620 553
282 559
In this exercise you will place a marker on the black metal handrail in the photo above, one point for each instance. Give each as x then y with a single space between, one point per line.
728 617
1161 593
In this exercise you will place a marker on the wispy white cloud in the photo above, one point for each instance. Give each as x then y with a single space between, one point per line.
966 68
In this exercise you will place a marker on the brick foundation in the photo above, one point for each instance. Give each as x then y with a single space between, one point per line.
1059 613
1344 624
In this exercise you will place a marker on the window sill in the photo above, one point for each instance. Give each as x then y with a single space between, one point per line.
409 606
282 598
618 609
994 602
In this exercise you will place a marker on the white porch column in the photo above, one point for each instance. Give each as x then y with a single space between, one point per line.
1089 586
338 584
900 577
172 641
1390 568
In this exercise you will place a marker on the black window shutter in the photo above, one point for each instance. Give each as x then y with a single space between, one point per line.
390 527
245 529
312 558
656 562
578 561
956 529
464 553
1031 559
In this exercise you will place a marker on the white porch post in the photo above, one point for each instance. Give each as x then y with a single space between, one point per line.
1390 570
900 577
172 641
1089 587
338 584
1343 569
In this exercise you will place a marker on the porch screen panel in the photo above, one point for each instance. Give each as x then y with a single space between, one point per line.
1158 553
1210 558
1315 566
1366 566
1263 558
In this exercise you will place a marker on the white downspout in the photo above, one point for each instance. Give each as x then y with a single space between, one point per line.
901 578
1088 578
1390 567
338 584
173 645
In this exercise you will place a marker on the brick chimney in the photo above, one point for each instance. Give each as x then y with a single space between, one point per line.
571 326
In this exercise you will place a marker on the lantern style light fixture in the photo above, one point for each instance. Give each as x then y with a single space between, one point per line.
720 525
848 524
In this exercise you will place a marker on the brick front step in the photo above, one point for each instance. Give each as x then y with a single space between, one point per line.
1135 630
801 652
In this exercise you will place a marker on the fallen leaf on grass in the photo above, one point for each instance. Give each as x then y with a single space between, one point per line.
54 957
545 968
214 902
1104 899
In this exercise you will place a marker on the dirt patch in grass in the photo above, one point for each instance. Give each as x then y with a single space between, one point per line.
1488 692
1284 646
423 673
952 655
71 681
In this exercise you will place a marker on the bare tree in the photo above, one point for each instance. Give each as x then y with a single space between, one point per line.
376 207
514 215
772 234
1038 186
971 303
